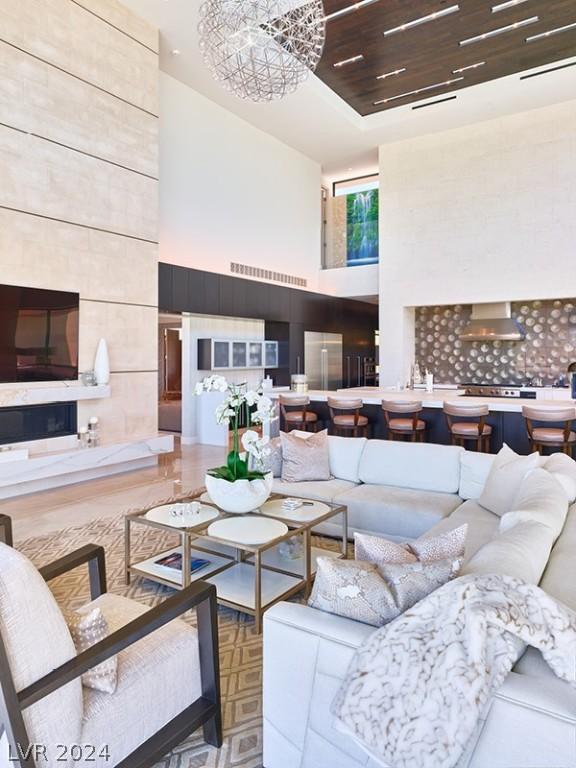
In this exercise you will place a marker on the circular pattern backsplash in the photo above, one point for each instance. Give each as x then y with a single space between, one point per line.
545 353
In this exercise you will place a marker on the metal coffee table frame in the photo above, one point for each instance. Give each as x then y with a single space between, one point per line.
233 555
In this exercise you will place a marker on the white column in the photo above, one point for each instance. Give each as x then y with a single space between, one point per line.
189 378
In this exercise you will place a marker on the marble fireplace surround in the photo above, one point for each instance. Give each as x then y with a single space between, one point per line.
545 353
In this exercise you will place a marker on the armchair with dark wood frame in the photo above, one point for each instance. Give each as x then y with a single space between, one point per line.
205 711
6 530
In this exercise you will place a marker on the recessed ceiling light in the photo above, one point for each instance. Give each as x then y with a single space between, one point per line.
351 60
175 52
422 20
500 30
551 32
418 90
470 66
505 6
391 74
349 9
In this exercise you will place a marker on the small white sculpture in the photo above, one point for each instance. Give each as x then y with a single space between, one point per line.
102 363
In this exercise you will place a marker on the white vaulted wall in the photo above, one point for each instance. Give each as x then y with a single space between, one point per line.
477 214
232 193
79 183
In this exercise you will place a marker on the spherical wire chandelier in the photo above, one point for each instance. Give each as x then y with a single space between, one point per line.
262 50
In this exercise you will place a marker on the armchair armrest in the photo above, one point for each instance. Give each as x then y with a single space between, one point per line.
199 595
91 554
6 530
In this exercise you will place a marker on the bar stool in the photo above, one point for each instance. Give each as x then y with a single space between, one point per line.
550 437
465 431
407 424
300 418
347 422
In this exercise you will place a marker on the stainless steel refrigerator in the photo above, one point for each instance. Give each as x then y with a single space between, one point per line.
323 360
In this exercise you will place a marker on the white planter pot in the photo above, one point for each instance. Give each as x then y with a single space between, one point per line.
240 497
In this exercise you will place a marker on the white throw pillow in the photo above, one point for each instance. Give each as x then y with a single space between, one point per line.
504 478
564 470
542 499
345 453
474 469
88 626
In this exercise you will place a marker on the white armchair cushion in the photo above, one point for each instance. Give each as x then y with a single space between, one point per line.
419 466
38 641
158 677
563 468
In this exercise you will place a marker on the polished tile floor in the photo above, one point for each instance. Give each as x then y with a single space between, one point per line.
48 511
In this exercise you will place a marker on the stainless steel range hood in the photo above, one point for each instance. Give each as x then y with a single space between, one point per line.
492 322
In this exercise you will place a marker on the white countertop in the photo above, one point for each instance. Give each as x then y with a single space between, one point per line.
552 398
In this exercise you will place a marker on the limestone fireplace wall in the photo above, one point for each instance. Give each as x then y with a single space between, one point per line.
79 189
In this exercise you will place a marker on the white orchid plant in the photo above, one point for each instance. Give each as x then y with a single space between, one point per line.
239 397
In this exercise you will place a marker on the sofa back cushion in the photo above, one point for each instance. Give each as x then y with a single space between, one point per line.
559 578
521 551
564 470
37 641
474 469
420 466
540 498
345 454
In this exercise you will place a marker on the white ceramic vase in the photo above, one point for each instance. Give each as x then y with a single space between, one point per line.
102 363
240 497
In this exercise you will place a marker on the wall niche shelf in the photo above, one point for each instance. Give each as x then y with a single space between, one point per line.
52 392
236 354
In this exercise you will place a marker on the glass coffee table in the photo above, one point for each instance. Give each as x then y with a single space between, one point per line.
254 560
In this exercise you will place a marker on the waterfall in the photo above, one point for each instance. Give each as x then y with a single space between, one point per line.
362 227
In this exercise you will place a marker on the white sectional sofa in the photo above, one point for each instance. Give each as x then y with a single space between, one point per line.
403 490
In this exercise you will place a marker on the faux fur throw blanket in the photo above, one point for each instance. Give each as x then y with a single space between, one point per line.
418 687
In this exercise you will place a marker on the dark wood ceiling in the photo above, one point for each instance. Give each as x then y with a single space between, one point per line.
431 52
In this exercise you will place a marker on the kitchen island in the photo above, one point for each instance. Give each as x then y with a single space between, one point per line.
505 415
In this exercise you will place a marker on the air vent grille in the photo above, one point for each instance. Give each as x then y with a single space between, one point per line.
267 274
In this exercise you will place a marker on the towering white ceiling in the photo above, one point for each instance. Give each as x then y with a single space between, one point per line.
318 123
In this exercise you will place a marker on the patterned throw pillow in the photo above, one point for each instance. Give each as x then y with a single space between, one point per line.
88 626
377 550
305 458
273 459
375 594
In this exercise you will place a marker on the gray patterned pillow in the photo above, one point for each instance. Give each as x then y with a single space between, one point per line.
273 460
375 594
88 626
305 458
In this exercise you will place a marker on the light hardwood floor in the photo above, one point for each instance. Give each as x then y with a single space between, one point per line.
48 511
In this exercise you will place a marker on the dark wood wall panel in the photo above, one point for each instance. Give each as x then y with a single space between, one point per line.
287 312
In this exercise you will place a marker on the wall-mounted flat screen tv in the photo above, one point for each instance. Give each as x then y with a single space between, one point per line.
38 334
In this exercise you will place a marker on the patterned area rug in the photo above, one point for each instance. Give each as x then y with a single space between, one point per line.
240 646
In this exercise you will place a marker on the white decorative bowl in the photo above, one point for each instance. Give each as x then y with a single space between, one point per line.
241 496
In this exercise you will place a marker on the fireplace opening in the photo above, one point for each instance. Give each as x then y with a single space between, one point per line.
22 423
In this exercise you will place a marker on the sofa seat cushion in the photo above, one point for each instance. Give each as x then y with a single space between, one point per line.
482 526
320 490
397 512
420 466
158 677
